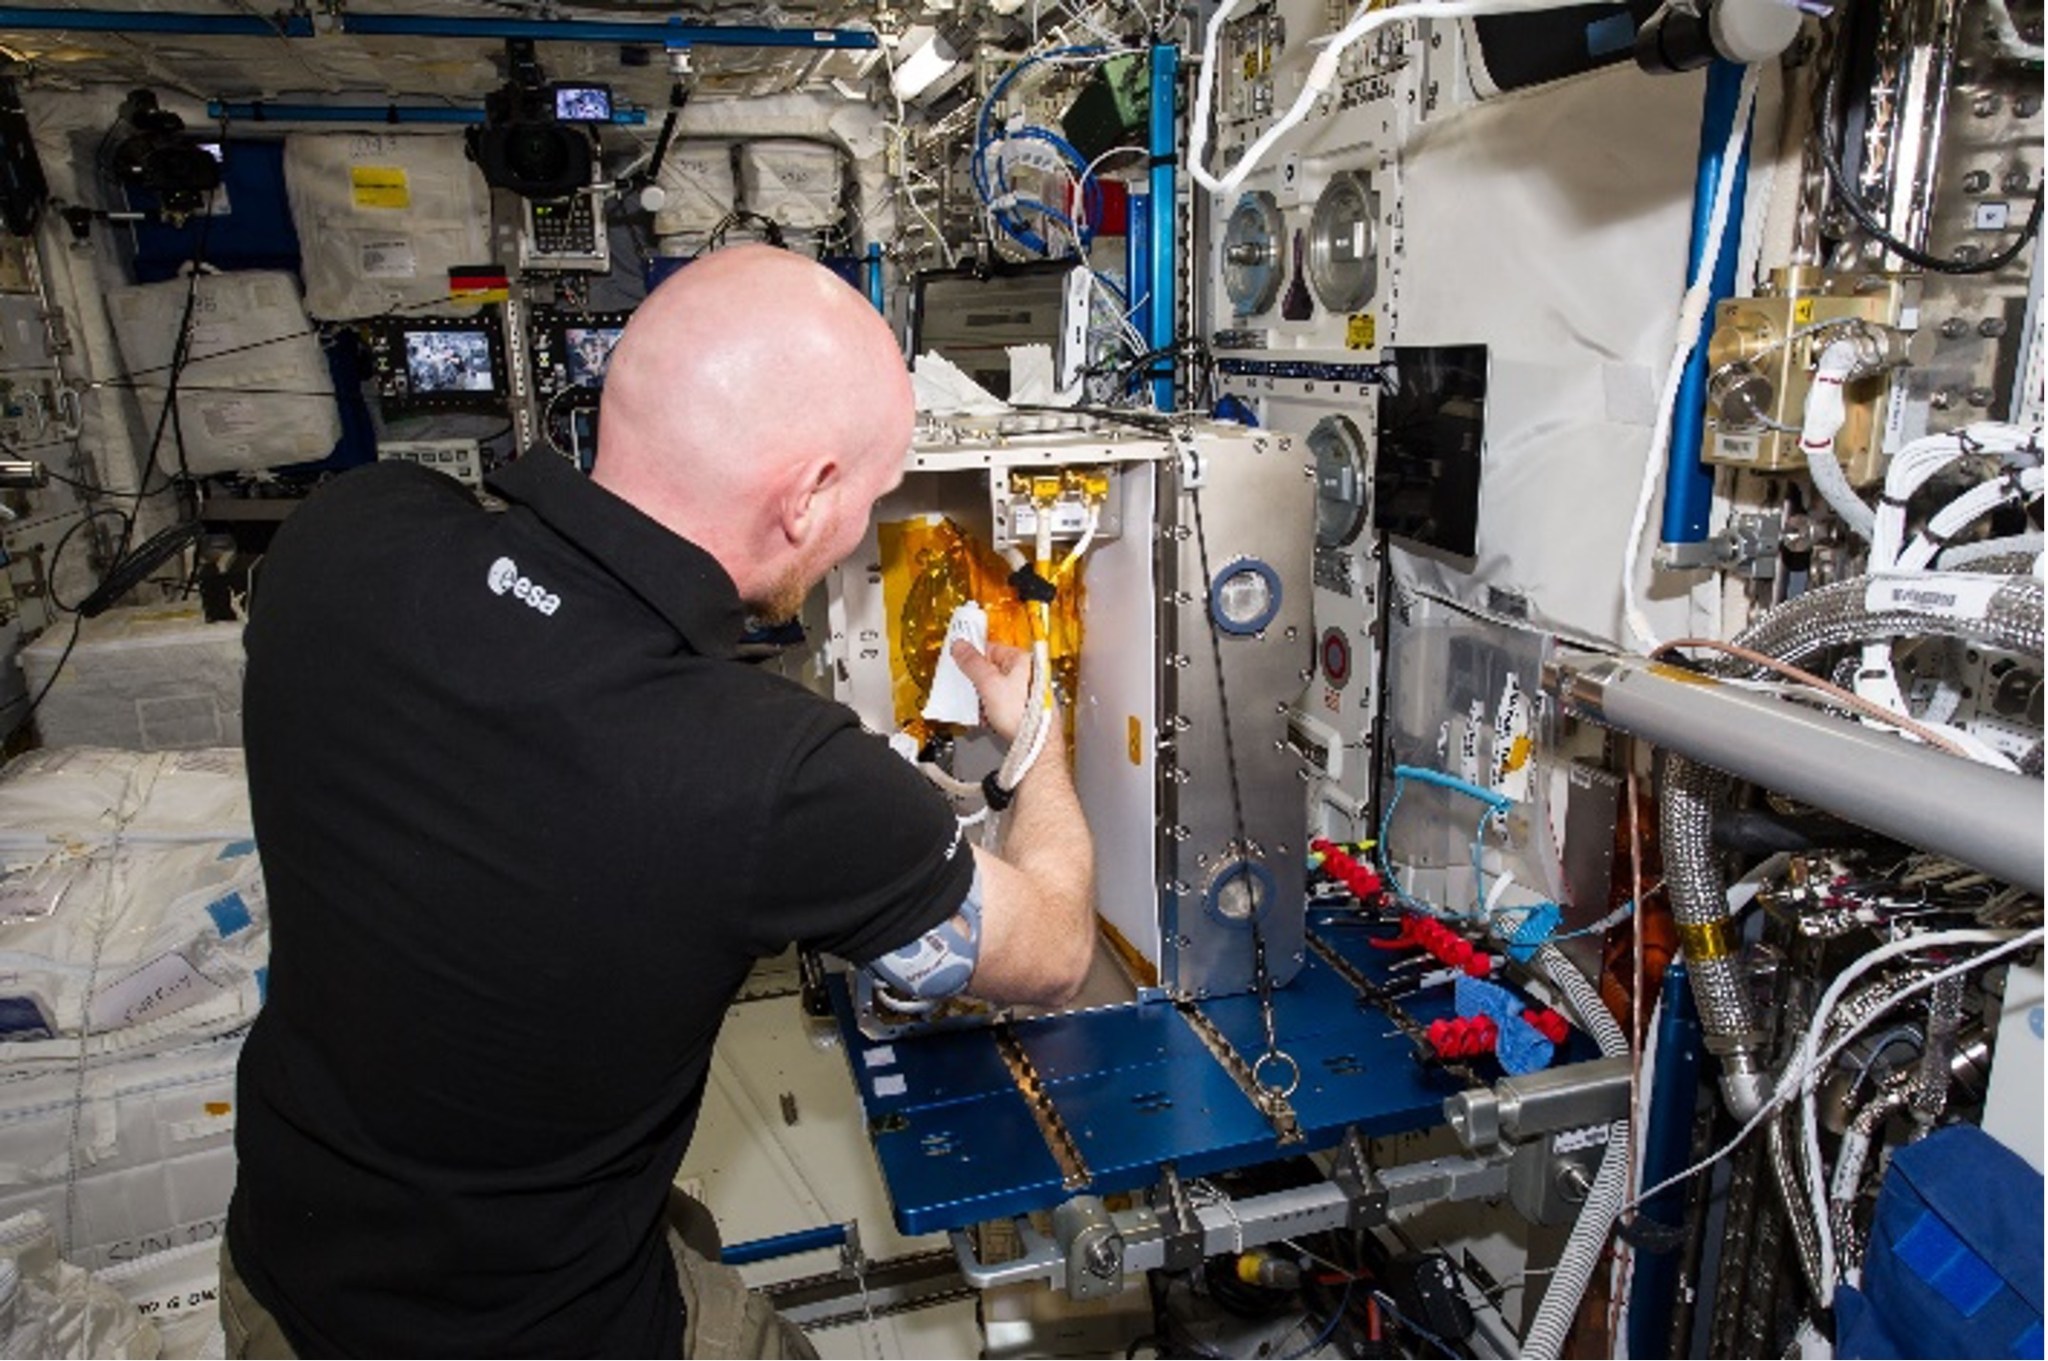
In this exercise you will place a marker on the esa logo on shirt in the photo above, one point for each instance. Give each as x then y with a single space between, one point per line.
504 576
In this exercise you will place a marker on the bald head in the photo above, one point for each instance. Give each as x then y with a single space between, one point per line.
757 406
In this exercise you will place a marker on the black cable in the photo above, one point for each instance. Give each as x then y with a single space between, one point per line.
77 623
1838 180
64 541
134 568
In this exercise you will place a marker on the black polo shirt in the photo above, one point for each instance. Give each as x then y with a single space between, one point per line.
526 822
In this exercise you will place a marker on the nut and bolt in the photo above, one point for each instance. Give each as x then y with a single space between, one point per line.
1977 181
2026 106
1987 105
1991 328
2016 182
1941 399
1955 328
1980 396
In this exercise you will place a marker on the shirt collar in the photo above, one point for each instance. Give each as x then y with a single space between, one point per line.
682 583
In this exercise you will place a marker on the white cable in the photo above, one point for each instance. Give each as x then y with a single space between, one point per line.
1086 541
1692 315
1973 504
1817 1190
1786 1086
1322 74
1960 556
2008 34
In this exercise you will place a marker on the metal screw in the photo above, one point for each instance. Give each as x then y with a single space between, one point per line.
1987 105
1977 181
1980 396
1991 328
1103 1257
1941 399
1955 328
2016 182
1968 254
2026 106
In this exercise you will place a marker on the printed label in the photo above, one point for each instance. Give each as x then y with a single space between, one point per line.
165 985
389 259
379 186
1737 448
1359 332
1951 595
234 418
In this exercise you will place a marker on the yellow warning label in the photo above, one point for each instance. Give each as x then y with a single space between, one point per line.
1135 743
1360 333
1802 312
379 186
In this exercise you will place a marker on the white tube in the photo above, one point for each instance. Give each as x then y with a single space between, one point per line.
1825 413
1692 315
1963 554
1322 75
1582 1249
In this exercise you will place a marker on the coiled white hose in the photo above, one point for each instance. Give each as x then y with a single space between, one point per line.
1581 1256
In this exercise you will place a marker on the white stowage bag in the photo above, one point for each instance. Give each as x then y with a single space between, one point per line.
381 217
127 949
49 1307
798 184
178 1291
697 178
134 1159
254 391
87 796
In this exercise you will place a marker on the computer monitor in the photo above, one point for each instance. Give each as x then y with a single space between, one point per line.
449 361
438 363
587 350
973 321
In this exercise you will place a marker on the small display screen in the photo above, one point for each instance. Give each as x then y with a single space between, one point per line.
586 351
449 361
583 104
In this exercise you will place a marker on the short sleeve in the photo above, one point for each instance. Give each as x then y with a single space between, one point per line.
861 854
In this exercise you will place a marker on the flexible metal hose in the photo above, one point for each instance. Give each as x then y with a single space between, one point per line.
1803 628
1792 1195
1857 1142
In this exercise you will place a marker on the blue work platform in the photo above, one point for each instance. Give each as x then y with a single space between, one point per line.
1136 1088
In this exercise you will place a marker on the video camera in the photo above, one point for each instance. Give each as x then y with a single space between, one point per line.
535 139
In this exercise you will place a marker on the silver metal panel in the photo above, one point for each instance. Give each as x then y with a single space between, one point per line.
1231 801
1116 768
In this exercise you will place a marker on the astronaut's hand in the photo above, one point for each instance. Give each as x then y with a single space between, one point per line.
1003 680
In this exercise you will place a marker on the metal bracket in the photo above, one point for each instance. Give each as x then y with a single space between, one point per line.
1352 1172
1092 1246
1183 1232
1519 1109
1747 547
1193 470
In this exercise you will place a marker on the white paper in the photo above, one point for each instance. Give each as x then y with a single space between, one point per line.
944 390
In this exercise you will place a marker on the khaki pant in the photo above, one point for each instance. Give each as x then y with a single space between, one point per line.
724 1318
